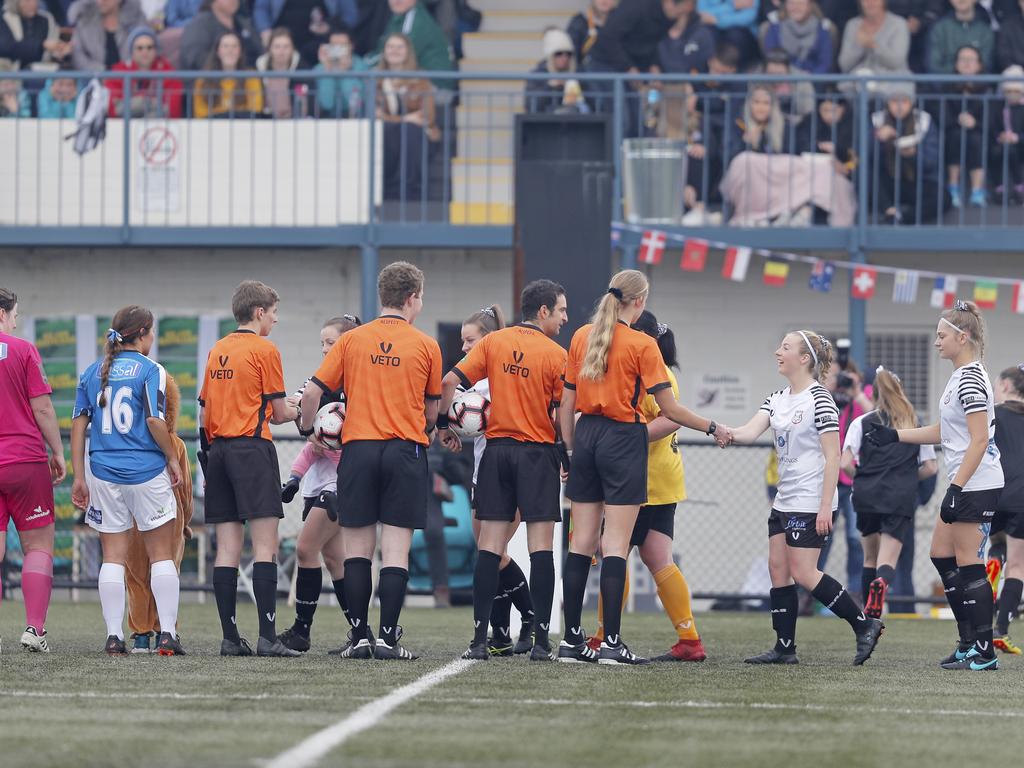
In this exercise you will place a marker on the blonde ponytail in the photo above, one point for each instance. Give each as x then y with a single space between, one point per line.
625 287
892 400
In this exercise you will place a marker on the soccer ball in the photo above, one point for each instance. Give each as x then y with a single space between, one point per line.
328 424
469 413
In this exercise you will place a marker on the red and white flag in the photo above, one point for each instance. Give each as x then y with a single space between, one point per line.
863 284
736 262
944 292
695 255
1018 299
652 246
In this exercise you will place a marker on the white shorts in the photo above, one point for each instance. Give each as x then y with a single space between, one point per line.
113 506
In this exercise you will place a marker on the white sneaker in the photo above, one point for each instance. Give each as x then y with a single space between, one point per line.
33 642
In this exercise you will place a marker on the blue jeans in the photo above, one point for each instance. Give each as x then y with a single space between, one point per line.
854 551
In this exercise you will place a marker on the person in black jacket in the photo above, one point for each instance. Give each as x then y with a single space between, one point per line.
1010 37
965 121
688 46
1006 124
586 25
1010 510
562 92
830 131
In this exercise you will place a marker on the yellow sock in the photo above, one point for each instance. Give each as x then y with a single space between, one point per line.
600 609
675 596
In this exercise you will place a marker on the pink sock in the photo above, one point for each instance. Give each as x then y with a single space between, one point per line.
36 585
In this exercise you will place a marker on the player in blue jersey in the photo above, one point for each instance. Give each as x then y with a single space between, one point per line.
132 471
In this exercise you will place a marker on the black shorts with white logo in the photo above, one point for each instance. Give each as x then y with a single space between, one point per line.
242 481
609 462
893 525
799 528
383 481
978 506
518 475
653 517
325 500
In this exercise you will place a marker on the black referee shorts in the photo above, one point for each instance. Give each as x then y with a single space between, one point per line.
894 525
518 475
242 481
609 462
383 481
1010 521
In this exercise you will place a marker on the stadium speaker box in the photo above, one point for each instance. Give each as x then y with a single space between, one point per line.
564 182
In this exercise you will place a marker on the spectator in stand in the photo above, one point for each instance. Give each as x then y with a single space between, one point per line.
102 28
920 16
430 46
215 18
722 102
29 35
804 35
762 128
585 26
681 120
406 107
689 45
1007 125
1010 37
307 20
228 96
178 13
282 95
831 132
906 138
876 42
14 102
57 99
795 99
340 96
149 98
59 10
965 122
967 25
560 94
734 22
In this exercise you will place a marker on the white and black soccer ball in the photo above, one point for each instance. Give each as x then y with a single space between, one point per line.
469 413
327 425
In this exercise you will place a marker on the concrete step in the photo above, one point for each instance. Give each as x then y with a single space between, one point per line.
483 143
499 65
481 88
482 191
495 214
503 45
479 116
525 21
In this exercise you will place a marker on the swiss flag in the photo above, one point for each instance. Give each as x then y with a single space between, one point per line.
863 284
695 254
652 246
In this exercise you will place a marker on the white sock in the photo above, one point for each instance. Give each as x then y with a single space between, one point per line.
163 579
111 584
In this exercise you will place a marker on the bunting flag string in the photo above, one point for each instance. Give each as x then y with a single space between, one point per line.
863 277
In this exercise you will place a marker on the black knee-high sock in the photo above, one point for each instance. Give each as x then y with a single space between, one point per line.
339 592
613 586
264 587
953 586
358 588
867 575
978 600
887 573
785 603
834 596
225 590
485 585
308 582
574 589
391 589
513 581
1009 600
542 590
501 615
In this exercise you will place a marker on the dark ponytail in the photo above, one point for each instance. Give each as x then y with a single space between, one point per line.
128 325
662 334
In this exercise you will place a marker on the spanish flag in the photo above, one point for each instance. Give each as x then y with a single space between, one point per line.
775 272
985 295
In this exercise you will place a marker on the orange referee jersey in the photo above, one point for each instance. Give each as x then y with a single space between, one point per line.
524 370
388 370
243 374
634 366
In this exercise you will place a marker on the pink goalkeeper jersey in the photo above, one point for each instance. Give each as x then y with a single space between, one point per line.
21 378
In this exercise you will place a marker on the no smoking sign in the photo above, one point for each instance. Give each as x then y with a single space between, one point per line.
158 146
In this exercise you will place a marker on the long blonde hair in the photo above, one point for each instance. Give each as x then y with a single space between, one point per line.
966 317
625 287
892 401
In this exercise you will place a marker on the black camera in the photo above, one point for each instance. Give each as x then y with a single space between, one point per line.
844 381
843 355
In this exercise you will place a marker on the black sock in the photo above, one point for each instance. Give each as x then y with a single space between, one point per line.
613 586
574 589
953 587
339 592
308 582
264 587
513 581
542 589
1009 600
225 590
391 589
834 596
785 603
978 600
887 573
358 588
501 616
485 585
867 575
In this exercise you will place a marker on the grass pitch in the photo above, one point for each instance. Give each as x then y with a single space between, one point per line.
77 707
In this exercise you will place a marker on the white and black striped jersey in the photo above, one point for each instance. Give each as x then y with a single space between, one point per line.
969 391
797 422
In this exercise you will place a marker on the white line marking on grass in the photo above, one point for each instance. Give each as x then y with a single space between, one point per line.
308 751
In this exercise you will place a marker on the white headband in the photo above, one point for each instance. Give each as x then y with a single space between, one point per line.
808 343
954 327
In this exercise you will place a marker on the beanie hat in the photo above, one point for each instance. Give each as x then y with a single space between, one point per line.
1013 79
556 41
135 34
